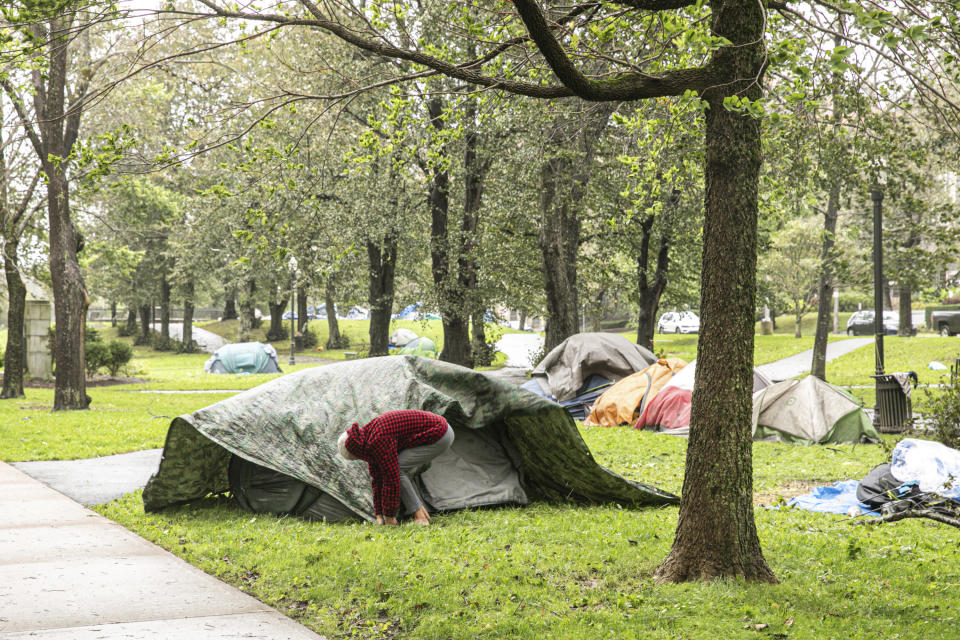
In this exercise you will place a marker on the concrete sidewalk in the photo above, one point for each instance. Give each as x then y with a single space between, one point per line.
799 364
67 573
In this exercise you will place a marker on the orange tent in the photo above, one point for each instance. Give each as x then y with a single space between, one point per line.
623 402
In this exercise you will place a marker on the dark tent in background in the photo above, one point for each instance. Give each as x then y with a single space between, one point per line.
511 446
243 357
578 370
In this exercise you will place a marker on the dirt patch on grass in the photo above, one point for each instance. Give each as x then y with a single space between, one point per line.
95 381
786 491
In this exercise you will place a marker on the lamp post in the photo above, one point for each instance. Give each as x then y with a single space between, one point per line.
293 308
876 194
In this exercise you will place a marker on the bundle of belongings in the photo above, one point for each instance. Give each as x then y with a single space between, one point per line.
274 447
921 474
626 400
581 368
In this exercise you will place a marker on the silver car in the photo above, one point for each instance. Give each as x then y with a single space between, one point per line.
679 322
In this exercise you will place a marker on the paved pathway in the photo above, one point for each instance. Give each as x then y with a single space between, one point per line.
207 340
71 574
799 364
519 348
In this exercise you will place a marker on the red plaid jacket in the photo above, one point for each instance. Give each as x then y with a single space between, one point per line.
380 441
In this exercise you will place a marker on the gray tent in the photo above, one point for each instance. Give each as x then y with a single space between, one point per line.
277 444
809 411
243 357
562 372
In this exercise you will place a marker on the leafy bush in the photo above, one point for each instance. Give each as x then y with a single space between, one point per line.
162 343
191 347
307 339
92 335
124 331
120 354
107 355
943 414
851 300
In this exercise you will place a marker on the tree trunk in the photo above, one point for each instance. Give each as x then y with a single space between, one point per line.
559 240
131 321
906 309
69 294
333 327
523 320
165 288
451 295
649 294
797 329
277 306
230 306
482 352
247 318
302 318
15 355
383 266
189 291
818 366
716 534
144 337
113 314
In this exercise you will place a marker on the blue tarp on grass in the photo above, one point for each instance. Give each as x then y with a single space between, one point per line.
840 497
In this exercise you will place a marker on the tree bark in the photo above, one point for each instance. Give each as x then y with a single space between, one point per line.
230 305
452 297
189 292
276 331
131 321
383 265
113 314
15 356
334 340
482 352
649 294
247 318
716 535
165 288
906 309
144 337
818 366
301 307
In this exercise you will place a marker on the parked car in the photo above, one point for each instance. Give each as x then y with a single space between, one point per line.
679 322
861 323
946 323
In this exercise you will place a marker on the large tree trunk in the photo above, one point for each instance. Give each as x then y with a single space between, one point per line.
69 295
131 321
383 266
452 297
247 310
15 355
302 307
276 305
230 305
716 535
906 309
333 327
144 337
559 241
188 291
113 314
818 366
482 352
165 288
650 293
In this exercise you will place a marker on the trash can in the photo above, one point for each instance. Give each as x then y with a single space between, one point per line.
894 410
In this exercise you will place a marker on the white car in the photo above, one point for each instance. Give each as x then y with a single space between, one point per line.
679 322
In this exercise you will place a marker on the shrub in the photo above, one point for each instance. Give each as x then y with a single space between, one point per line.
162 343
124 331
119 354
849 300
191 347
92 335
307 339
98 354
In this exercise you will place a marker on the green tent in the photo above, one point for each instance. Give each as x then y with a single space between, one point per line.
809 411
420 347
243 357
511 445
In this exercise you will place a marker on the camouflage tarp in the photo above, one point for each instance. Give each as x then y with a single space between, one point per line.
291 425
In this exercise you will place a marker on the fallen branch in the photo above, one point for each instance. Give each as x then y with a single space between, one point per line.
933 514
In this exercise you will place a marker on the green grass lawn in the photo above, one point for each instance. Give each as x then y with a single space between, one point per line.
766 348
569 571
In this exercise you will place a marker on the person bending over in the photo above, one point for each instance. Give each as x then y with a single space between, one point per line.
393 445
